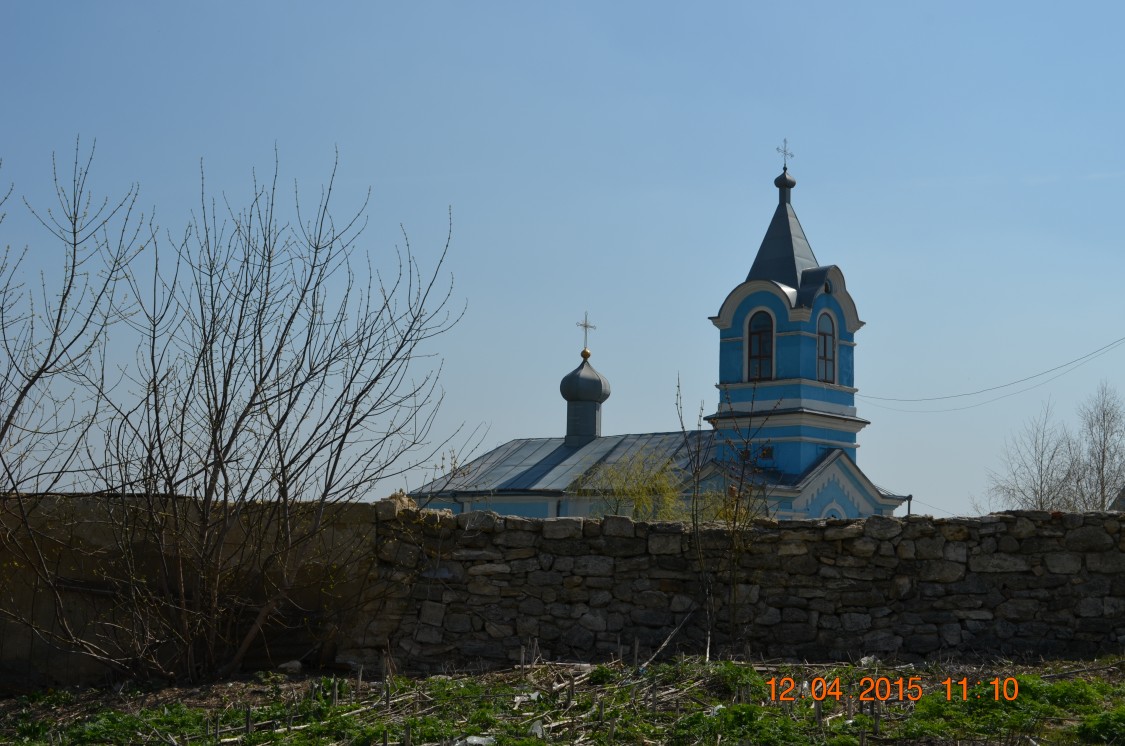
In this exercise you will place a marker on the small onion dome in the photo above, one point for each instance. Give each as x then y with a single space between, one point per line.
785 181
584 383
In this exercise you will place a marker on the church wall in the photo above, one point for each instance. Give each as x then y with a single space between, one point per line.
474 588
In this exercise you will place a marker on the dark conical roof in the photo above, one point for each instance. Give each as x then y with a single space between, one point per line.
584 383
785 252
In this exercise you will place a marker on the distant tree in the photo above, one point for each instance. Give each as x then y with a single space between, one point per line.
1040 467
1101 452
1046 467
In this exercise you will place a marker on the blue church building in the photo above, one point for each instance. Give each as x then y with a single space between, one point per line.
784 428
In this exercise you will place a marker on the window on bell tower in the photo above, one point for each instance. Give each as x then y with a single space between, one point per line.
759 347
825 349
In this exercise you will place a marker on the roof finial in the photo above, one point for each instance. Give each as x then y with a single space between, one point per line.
785 154
586 327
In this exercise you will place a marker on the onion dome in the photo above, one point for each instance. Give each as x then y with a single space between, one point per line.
785 181
584 384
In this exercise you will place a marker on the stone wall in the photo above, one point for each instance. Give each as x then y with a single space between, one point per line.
475 587
437 590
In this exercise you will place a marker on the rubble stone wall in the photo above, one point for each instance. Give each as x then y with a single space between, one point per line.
437 591
477 587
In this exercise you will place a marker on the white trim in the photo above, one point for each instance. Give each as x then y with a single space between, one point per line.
844 298
833 506
765 406
725 317
796 419
790 382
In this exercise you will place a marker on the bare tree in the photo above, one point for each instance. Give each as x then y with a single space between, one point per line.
53 331
280 373
729 487
1101 455
1039 467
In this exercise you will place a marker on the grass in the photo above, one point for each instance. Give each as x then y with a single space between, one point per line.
684 702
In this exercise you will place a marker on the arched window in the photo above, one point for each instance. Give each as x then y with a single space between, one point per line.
825 349
759 347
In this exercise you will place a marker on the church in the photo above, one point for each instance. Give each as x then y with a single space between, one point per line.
784 429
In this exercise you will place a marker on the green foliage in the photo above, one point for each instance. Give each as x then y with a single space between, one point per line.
697 702
644 485
1104 727
602 675
730 678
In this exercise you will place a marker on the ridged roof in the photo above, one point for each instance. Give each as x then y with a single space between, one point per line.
548 465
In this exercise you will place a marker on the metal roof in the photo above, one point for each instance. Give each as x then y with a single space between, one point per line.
547 465
785 252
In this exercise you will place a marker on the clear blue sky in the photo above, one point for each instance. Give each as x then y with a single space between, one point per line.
962 162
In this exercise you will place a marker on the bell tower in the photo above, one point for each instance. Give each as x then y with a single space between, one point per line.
786 356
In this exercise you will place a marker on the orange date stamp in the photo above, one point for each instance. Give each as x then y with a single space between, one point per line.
887 689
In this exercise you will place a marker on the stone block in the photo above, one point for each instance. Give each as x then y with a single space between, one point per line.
427 634
950 634
796 632
664 543
600 598
882 527
1023 528
1110 562
562 528
480 520
929 547
998 563
794 615
515 538
881 641
954 532
848 531
1019 609
651 617
593 622
956 551
767 617
941 571
626 547
497 630
618 525
594 565
1063 563
1088 539
1088 607
386 510
431 612
579 638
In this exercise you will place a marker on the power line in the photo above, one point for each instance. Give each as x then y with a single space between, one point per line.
1065 368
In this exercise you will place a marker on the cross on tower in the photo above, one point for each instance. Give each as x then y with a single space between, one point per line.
785 153
586 327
